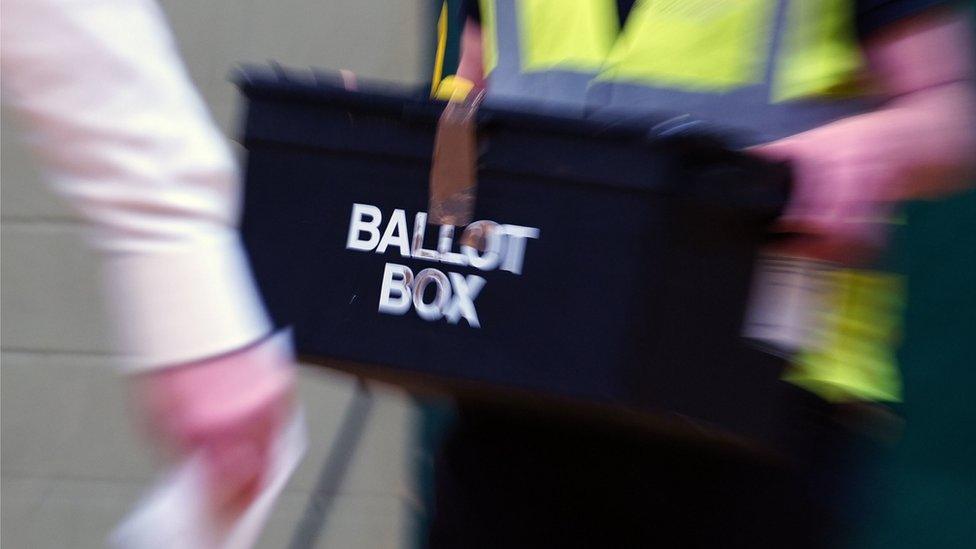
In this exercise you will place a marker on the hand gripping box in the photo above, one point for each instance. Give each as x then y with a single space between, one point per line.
604 269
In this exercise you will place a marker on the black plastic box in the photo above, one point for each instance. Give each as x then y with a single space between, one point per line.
629 301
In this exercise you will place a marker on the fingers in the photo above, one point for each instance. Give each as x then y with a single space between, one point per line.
235 472
228 410
237 449
241 412
847 233
237 463
836 210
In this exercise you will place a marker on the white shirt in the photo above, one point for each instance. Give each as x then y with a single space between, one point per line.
122 134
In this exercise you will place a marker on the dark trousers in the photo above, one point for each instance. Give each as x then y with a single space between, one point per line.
512 479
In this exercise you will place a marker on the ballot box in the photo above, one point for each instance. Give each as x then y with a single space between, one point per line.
605 271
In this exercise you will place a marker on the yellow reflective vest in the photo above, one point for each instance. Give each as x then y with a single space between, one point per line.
776 67
772 67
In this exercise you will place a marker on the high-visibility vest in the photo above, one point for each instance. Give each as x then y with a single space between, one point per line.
852 357
776 67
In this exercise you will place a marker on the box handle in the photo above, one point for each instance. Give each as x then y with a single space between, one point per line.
454 170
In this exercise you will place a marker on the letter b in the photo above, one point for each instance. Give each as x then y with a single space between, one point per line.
395 294
358 226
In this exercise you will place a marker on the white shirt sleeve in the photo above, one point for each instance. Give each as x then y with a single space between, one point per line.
122 134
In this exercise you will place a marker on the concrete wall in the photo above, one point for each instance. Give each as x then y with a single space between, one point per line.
72 461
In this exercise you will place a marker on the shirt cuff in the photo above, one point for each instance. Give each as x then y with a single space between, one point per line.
174 307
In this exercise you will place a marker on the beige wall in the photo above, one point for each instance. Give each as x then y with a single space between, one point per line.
71 461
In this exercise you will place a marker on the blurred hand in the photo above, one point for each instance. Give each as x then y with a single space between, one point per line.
849 175
229 409
844 177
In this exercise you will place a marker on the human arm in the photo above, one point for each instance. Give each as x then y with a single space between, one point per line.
848 174
105 103
471 63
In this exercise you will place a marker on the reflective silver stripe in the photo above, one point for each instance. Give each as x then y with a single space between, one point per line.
748 108
508 84
504 78
564 90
